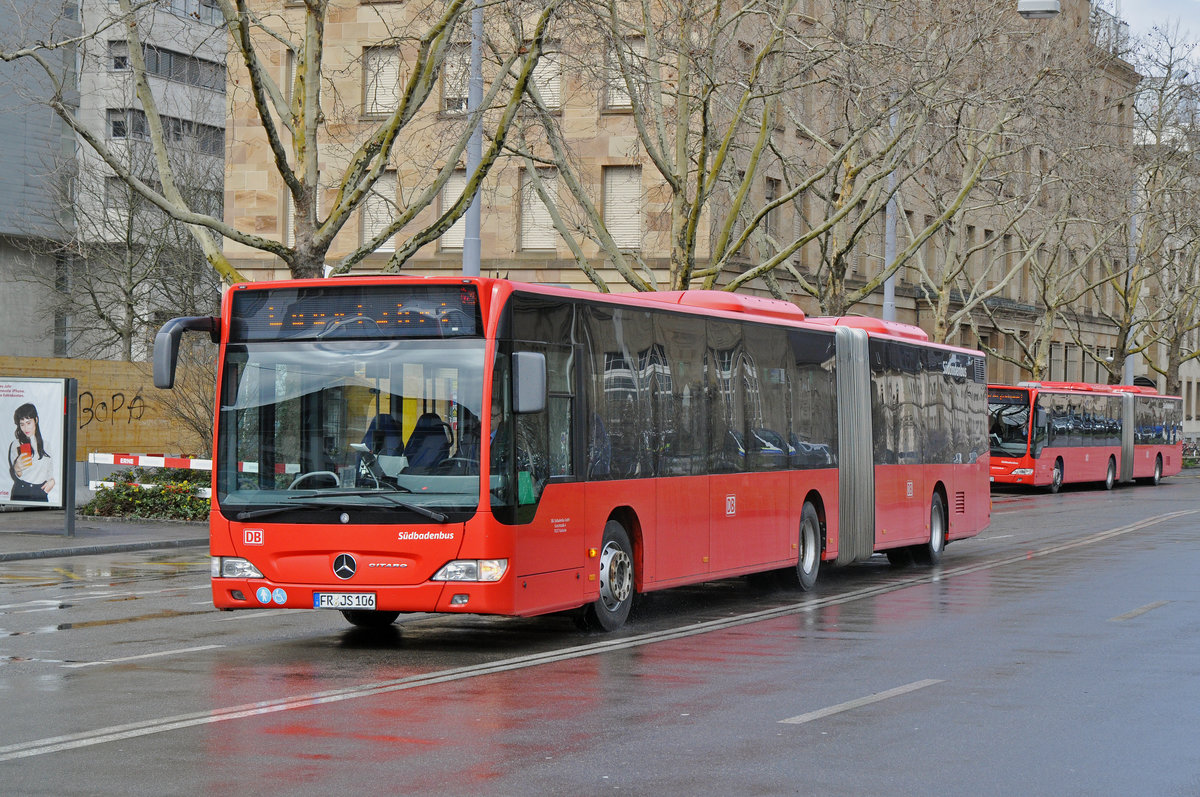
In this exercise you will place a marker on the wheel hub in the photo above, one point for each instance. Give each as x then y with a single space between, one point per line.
616 576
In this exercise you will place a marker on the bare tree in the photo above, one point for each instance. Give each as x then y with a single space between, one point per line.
125 264
1168 119
294 118
751 113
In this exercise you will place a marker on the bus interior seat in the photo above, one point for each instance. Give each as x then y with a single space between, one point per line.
429 444
384 437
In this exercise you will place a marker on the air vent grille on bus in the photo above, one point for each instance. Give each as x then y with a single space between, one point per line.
980 370
960 503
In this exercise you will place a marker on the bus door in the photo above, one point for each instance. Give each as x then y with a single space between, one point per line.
550 527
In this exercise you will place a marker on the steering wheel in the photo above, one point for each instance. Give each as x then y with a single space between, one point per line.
314 474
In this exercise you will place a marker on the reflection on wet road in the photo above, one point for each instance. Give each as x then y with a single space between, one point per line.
1025 636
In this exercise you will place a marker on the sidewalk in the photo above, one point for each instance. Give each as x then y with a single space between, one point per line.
41 534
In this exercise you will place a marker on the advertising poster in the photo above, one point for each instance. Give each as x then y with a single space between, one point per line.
32 441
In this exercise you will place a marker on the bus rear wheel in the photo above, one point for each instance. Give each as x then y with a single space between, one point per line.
809 563
1056 481
1111 477
1157 477
367 618
611 609
931 552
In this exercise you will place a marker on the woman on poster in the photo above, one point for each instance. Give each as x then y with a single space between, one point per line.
31 468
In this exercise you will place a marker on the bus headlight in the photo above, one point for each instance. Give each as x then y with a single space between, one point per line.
472 570
1022 471
233 567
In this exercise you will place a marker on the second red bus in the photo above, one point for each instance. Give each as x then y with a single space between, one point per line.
1047 434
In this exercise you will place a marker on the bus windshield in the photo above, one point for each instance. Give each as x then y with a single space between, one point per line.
1008 422
385 430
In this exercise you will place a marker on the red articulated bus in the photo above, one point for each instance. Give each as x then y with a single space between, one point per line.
402 444
1047 434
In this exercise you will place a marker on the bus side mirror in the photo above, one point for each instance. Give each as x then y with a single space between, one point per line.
166 345
529 382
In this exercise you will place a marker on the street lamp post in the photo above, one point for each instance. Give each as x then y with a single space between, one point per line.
471 240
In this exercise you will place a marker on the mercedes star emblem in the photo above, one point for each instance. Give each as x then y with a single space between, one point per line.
343 566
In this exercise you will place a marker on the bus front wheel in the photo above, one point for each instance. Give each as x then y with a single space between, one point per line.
1111 477
611 609
1056 481
1157 477
931 552
809 563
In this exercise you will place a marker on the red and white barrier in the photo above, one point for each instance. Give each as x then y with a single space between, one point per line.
169 461
148 461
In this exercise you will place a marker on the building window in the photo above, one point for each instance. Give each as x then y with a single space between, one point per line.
623 205
547 78
800 228
118 55
128 123
616 88
456 77
771 220
206 11
132 123
381 80
453 238
537 228
171 65
378 211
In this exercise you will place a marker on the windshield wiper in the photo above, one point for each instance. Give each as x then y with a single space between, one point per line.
387 495
316 502
275 510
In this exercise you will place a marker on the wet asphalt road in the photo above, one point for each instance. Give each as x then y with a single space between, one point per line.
1058 653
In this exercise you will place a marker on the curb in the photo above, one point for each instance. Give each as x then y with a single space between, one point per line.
92 550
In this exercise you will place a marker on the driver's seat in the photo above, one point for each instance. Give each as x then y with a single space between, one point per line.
429 444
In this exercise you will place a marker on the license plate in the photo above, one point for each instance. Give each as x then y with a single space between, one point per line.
343 600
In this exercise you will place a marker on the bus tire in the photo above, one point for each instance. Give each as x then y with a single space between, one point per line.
368 618
1111 477
808 564
611 609
1056 481
931 552
1157 477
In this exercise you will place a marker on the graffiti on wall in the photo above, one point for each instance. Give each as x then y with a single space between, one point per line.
113 408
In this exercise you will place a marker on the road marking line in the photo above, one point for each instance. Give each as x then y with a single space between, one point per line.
1149 607
77 665
56 744
860 702
62 571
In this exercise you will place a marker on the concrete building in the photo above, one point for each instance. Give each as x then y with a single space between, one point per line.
93 254
519 240
34 143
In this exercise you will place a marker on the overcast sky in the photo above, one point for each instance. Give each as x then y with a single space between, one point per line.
1144 14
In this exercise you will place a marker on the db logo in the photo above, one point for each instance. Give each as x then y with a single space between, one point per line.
730 505
253 536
